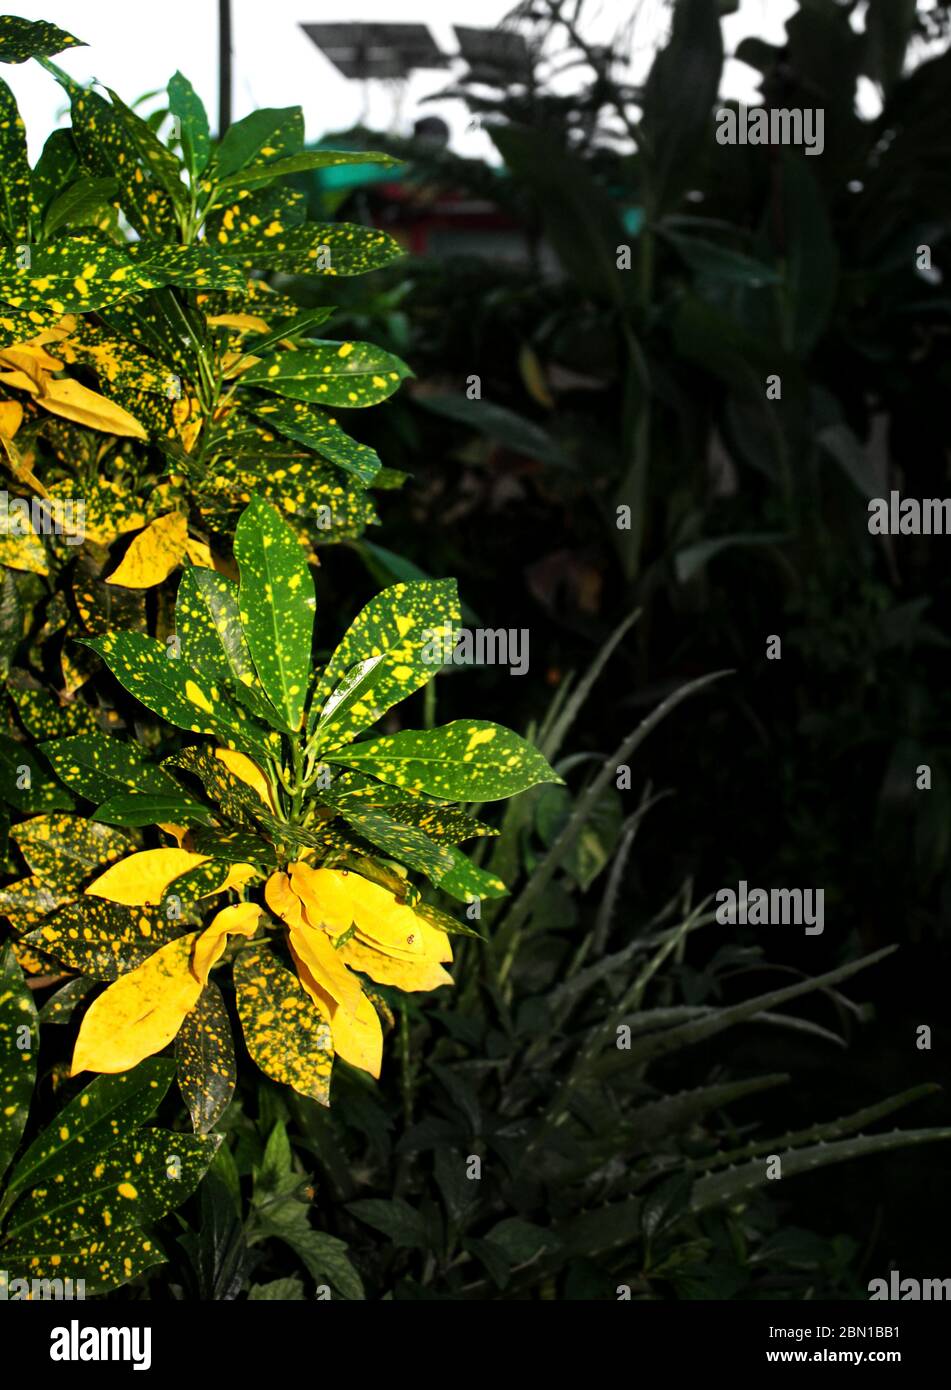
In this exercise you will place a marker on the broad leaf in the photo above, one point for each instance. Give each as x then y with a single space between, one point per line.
286 1034
277 603
187 108
98 767
204 1055
392 648
467 760
337 374
19 1041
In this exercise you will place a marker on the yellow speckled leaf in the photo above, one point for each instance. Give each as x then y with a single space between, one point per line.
140 1013
357 1037
286 1033
204 1055
153 555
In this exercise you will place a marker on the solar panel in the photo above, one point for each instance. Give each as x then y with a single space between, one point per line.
376 50
498 52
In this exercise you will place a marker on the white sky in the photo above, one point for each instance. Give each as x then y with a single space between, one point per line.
135 47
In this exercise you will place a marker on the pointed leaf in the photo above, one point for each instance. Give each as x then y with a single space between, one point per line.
285 1033
331 373
467 760
276 598
204 1055
19 1042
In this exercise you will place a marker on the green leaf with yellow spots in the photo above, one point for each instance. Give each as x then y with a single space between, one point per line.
188 267
64 850
85 203
352 375
102 607
155 157
97 766
208 625
21 39
277 603
169 687
467 760
169 329
248 214
286 1034
93 1120
116 361
103 143
14 170
467 881
404 843
391 649
308 424
238 801
103 939
257 174
92 1220
19 1043
26 785
188 109
444 865
130 1178
203 881
43 716
446 824
323 504
17 327
28 901
59 1007
316 248
444 922
72 275
270 133
205 1060
151 808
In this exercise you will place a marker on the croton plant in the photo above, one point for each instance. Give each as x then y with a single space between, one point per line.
189 799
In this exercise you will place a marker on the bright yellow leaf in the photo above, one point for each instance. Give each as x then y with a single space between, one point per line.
409 975
241 919
143 878
313 946
357 1037
139 1013
336 900
20 380
11 417
247 771
32 359
153 554
246 323
76 402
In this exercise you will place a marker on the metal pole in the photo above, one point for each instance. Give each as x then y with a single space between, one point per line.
224 66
